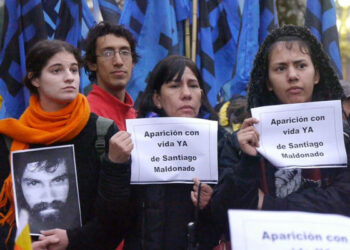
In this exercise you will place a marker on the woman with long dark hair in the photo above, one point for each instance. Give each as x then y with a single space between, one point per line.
161 213
59 115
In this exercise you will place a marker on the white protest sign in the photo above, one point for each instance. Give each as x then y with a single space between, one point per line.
303 135
288 230
173 150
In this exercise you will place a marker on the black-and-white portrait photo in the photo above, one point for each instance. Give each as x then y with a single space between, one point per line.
45 184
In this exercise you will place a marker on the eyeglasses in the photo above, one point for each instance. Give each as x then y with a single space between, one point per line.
124 54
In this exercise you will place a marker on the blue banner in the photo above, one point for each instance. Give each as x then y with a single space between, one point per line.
155 26
259 18
26 22
321 19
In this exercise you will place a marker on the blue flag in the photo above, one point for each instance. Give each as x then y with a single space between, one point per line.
110 11
26 22
154 25
87 22
218 33
259 18
23 26
321 19
268 18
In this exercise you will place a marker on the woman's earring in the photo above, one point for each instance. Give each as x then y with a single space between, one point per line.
268 86
157 104
156 100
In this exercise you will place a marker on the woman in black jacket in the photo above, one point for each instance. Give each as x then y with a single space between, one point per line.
290 67
160 213
59 115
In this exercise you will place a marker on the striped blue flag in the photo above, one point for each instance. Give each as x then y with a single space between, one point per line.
110 11
155 26
259 18
26 22
321 19
23 26
268 18
87 22
218 33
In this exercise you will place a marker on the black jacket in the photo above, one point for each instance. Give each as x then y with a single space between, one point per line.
238 188
160 214
93 173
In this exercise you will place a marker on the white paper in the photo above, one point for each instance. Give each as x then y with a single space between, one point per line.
173 150
303 135
252 230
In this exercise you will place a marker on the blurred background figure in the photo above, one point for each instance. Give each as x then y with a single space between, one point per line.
346 100
233 112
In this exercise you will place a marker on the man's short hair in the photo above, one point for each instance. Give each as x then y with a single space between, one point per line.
103 29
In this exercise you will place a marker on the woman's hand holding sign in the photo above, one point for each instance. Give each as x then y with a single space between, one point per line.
248 137
205 193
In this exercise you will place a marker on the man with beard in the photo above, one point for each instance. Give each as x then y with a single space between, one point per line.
45 190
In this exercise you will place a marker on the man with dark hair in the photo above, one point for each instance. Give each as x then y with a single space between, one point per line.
46 188
109 60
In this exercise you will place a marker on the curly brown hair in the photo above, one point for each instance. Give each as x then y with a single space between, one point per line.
102 29
328 87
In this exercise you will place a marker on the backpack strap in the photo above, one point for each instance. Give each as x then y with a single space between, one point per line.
8 142
102 126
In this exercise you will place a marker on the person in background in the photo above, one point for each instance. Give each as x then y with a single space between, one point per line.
346 100
290 67
109 60
233 112
58 115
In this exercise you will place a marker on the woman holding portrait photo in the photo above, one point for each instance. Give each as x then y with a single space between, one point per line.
58 115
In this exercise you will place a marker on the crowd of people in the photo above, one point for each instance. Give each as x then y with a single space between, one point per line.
290 67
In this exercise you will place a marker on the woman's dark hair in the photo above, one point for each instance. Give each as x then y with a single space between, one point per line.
164 72
103 29
39 55
328 87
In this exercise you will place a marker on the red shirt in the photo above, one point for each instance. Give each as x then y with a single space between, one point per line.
105 104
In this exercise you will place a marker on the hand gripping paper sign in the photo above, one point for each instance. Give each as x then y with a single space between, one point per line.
303 135
173 150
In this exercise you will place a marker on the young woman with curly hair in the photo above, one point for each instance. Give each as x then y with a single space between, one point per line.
290 67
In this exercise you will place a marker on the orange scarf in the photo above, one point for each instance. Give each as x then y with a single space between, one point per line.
36 126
